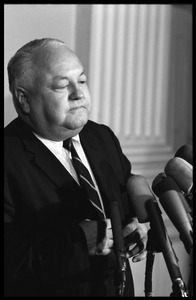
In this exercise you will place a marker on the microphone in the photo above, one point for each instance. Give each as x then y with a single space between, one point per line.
181 172
117 230
139 192
186 153
170 195
118 245
116 226
147 209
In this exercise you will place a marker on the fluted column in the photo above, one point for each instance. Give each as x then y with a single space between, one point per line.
129 74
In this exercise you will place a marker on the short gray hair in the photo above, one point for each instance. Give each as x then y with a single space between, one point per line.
20 68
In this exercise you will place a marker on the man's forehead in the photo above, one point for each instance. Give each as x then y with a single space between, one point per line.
54 55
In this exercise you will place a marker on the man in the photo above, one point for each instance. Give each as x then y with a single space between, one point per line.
58 242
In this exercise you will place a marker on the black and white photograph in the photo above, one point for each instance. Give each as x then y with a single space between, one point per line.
98 162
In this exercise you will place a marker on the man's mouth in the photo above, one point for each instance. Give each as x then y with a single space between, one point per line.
77 107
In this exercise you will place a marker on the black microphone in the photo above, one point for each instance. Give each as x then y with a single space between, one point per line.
181 172
186 153
147 209
170 196
119 247
116 224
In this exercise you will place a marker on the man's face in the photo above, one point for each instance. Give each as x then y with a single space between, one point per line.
60 99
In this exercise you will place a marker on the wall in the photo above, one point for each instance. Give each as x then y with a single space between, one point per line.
138 59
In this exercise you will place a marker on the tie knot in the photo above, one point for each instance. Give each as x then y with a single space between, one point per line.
67 144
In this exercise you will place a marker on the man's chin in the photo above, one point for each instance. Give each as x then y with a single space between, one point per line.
77 121
77 124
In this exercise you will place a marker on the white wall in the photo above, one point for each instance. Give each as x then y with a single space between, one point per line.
24 23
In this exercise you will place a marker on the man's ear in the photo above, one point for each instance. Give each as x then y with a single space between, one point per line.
22 96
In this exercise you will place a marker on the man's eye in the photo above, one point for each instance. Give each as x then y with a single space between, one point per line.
61 87
82 81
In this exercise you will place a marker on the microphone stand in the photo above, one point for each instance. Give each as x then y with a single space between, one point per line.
158 228
189 198
148 274
190 280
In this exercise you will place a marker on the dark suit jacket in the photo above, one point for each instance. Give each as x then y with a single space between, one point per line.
45 248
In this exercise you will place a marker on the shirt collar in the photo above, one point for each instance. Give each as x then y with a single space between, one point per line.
55 143
76 138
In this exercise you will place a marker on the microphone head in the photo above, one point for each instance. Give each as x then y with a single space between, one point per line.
158 184
181 172
140 193
170 198
186 153
162 184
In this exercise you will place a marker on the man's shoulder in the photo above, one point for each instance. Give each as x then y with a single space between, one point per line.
12 128
14 135
95 132
10 132
94 126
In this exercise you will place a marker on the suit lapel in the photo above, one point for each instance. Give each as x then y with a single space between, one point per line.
43 157
49 164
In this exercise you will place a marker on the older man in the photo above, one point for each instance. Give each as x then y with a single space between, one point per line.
58 232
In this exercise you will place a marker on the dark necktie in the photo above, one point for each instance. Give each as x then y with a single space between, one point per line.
84 177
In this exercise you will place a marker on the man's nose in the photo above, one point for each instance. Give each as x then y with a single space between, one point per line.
76 93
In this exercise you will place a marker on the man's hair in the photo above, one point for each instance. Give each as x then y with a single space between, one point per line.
20 66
